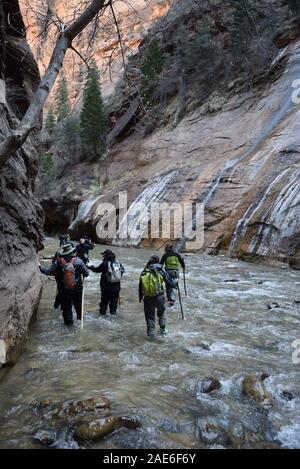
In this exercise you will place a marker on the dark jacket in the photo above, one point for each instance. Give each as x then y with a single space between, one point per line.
172 253
166 277
82 251
102 268
56 270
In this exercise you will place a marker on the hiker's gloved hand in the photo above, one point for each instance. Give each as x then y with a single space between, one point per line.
91 267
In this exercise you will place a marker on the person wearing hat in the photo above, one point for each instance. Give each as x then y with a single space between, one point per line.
172 261
65 239
69 269
110 282
151 293
83 248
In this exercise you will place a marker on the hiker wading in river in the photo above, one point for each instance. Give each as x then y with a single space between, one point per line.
151 293
172 261
69 270
83 248
110 282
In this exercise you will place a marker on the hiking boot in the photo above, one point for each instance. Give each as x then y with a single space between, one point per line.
163 331
151 335
151 332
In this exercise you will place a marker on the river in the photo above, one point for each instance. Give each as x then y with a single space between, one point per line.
229 333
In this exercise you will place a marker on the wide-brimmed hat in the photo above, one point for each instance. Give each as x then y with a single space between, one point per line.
67 249
107 252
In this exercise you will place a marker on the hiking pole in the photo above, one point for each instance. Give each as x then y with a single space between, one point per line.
82 304
184 282
179 297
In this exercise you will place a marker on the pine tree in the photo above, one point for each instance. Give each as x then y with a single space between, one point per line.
62 101
67 139
50 122
294 5
243 27
152 67
92 118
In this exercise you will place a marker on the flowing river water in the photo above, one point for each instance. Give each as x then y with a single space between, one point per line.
229 333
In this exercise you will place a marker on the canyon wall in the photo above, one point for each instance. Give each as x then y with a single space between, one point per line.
21 216
134 19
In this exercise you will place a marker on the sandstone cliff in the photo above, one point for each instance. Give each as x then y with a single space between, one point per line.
134 19
21 217
237 153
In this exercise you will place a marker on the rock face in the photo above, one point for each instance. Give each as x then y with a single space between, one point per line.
241 162
133 20
237 154
21 217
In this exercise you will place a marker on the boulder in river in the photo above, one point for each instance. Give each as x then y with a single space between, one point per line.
253 387
73 408
99 428
208 385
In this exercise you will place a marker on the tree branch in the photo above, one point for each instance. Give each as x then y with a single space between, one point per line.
16 139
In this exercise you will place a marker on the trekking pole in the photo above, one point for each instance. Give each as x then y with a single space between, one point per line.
184 282
179 297
82 304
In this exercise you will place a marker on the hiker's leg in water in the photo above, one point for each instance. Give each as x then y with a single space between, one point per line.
113 302
104 302
66 307
77 302
160 305
58 298
171 292
149 309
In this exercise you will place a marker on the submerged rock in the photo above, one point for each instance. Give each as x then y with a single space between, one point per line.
72 408
45 437
99 428
273 305
208 385
254 388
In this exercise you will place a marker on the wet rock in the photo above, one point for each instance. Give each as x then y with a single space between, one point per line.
208 385
264 376
45 437
211 430
204 345
273 305
73 408
254 388
288 395
231 280
289 32
99 428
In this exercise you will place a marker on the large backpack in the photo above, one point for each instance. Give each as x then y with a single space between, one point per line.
68 273
152 283
115 272
172 263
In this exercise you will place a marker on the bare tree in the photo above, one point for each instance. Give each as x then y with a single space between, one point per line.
67 34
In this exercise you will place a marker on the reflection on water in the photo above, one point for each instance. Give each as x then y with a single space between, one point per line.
229 332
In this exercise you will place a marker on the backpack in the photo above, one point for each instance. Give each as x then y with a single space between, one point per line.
115 272
172 263
68 273
152 283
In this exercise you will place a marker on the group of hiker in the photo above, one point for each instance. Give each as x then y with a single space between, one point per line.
70 267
